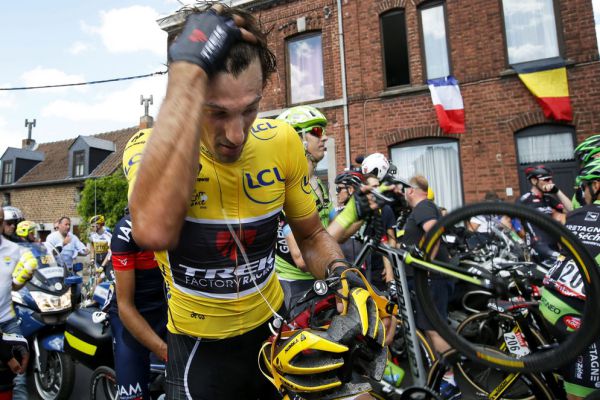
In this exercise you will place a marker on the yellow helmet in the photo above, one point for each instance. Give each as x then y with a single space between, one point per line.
24 228
314 361
97 219
430 194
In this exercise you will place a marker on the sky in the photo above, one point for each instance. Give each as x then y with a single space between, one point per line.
70 41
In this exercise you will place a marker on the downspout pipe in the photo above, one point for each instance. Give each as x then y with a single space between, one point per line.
344 92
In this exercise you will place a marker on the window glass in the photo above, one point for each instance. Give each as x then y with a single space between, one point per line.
438 162
78 163
551 145
7 172
433 24
545 148
530 30
395 48
305 58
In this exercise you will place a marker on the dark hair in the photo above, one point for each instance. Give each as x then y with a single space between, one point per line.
491 196
242 53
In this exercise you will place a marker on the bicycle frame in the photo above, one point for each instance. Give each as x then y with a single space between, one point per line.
405 308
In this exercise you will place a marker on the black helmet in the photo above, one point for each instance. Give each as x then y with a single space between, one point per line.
349 178
539 172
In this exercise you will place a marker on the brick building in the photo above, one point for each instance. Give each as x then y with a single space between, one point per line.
390 49
45 180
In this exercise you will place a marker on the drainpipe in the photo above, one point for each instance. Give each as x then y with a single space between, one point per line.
344 93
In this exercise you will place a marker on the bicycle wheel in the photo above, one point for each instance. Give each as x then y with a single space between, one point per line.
478 381
103 384
494 255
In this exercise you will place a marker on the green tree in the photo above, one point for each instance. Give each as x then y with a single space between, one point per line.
110 196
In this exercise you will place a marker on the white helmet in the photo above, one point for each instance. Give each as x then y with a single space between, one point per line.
12 214
376 164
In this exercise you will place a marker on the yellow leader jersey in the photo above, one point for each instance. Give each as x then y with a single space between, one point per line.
212 291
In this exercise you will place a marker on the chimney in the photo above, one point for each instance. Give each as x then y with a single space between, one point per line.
29 143
146 121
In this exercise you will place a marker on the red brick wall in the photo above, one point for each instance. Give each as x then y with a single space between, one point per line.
496 104
46 204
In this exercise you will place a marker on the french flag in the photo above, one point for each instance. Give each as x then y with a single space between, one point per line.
448 103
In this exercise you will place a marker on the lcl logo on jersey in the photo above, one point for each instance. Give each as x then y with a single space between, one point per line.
261 131
199 199
255 185
134 159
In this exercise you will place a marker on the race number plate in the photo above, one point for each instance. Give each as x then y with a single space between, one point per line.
516 344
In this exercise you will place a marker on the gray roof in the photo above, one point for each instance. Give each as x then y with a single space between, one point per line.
96 143
11 153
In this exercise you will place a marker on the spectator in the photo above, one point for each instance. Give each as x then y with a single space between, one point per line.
545 197
423 217
66 243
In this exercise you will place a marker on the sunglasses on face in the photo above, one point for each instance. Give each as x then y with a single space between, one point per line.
546 179
316 130
340 188
11 222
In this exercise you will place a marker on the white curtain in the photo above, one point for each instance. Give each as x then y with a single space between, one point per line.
545 148
439 163
530 30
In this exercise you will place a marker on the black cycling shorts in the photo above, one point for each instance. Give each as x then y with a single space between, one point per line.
224 369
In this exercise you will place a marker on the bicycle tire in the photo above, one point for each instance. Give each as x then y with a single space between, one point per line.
483 381
548 359
537 388
105 379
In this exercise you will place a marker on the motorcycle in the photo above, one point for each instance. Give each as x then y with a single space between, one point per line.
42 307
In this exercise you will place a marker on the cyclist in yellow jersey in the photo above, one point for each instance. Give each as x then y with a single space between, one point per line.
206 186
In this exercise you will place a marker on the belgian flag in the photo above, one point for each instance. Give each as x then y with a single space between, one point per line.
547 81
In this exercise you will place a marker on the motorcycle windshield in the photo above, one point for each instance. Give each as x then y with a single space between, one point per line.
48 275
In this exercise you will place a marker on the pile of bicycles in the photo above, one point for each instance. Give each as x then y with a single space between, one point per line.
502 348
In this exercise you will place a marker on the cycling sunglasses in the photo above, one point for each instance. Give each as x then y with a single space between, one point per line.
316 130
338 189
10 222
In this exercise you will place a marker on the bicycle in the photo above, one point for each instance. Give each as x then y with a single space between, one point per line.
486 277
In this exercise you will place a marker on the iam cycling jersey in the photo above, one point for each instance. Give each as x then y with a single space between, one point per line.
546 204
213 291
284 263
101 243
127 256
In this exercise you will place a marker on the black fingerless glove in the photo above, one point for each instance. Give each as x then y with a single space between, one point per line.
205 40
554 190
363 208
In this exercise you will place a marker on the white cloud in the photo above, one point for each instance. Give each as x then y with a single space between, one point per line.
131 29
7 99
8 138
78 47
48 76
121 106
516 7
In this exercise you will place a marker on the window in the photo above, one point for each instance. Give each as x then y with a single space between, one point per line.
435 43
596 4
439 162
7 172
530 30
552 146
78 163
395 48
305 58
